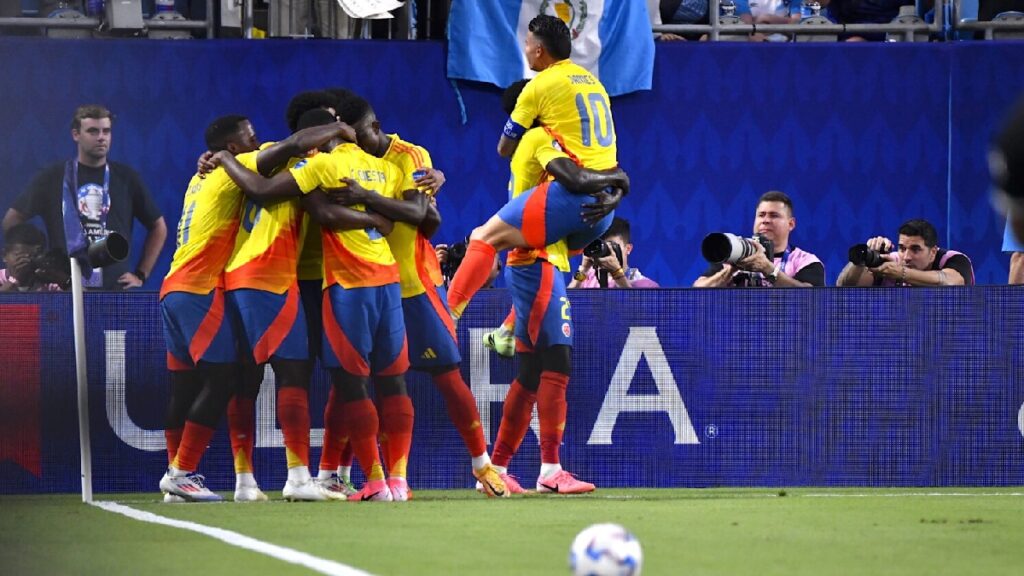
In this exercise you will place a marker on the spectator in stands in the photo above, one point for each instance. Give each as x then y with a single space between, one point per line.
768 12
678 12
28 268
108 196
613 271
917 261
789 267
863 12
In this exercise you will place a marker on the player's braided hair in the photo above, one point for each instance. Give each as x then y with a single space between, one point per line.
553 34
305 101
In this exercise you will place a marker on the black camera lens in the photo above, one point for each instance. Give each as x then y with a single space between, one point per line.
861 255
596 250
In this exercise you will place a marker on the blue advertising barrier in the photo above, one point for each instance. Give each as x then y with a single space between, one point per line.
696 388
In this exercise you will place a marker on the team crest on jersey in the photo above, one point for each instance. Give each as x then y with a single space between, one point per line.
300 164
572 12
566 329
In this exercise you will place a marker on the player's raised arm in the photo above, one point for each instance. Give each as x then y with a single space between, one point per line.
337 217
301 142
584 180
255 186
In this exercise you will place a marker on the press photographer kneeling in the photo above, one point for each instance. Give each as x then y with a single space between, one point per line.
917 261
737 261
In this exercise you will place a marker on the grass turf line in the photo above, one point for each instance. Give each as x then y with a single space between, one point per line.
706 531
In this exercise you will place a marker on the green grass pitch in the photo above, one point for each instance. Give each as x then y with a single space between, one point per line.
686 532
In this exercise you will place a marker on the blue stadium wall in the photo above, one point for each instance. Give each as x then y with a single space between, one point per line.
695 388
862 136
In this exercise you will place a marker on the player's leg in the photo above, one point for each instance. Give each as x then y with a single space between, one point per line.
242 431
503 340
275 331
200 425
504 230
389 361
185 386
196 335
348 341
516 414
552 409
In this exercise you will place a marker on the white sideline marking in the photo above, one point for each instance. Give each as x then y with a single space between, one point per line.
235 539
907 494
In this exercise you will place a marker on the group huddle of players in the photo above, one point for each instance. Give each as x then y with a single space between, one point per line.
320 245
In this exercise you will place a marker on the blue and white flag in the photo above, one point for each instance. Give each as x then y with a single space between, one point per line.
611 38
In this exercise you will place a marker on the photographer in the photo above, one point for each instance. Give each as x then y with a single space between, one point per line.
84 198
29 268
450 262
789 266
917 261
611 253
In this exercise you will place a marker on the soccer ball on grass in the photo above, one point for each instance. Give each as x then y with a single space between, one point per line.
605 550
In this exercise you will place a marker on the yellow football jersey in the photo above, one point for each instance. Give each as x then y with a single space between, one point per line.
573 103
354 258
535 150
417 261
206 232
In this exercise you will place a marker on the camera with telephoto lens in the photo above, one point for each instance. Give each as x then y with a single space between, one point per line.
51 267
726 248
861 255
110 249
599 249
456 253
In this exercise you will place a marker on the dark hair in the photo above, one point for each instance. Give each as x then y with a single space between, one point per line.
553 35
511 95
315 117
340 94
776 196
620 228
922 228
305 101
222 130
352 109
94 111
25 234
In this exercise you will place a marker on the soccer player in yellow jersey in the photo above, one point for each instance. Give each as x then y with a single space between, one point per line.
363 325
574 106
543 337
192 305
563 96
431 334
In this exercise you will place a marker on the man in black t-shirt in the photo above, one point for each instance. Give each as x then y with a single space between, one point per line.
916 261
108 197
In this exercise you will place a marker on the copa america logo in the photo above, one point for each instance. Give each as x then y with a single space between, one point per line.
572 12
91 202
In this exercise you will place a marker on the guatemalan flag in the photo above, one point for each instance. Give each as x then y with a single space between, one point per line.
611 38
